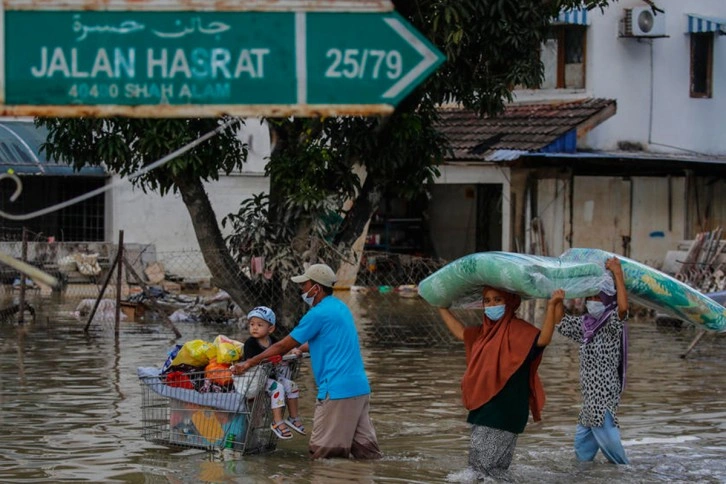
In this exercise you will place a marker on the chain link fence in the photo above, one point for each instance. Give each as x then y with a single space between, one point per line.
183 287
79 267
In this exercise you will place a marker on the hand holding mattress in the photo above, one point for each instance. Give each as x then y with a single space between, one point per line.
529 276
579 272
655 289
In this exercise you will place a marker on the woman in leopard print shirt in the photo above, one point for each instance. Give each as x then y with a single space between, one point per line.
603 347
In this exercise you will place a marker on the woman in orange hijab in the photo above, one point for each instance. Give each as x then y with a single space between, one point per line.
501 385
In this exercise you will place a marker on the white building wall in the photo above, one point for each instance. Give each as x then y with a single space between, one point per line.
620 68
149 218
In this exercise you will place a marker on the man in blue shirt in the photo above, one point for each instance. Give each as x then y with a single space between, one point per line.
341 425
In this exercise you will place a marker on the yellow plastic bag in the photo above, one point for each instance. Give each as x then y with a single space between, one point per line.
227 349
193 353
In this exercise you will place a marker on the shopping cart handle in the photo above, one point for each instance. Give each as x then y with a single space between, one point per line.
279 358
273 359
288 356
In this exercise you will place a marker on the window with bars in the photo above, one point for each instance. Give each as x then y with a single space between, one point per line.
83 221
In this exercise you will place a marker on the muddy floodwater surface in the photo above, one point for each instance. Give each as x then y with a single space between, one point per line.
70 407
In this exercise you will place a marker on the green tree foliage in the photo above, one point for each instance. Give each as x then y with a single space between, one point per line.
491 46
316 194
125 145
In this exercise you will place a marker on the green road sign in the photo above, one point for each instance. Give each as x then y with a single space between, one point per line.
168 63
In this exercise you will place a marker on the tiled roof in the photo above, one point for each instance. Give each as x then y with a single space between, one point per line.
522 127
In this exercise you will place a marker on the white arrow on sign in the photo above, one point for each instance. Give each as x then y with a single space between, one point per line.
429 58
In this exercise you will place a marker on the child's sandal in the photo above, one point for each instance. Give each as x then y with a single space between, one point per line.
281 430
296 424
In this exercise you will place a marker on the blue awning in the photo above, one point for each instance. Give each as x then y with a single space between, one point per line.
20 142
572 17
567 143
698 24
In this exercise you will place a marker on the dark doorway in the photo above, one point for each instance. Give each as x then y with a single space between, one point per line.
488 217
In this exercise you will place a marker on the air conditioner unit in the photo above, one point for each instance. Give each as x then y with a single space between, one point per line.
642 22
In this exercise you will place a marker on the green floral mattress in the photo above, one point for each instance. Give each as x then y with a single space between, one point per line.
580 272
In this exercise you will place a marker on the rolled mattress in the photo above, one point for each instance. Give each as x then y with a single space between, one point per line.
579 272
655 289
529 276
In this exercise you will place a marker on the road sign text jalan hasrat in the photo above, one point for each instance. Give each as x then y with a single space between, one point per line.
137 58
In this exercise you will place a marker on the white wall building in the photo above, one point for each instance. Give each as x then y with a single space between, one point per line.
148 218
659 148
670 89
650 76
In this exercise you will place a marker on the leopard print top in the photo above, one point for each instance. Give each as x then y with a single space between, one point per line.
599 368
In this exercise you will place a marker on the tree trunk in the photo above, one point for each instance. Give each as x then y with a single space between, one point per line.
369 198
362 210
226 273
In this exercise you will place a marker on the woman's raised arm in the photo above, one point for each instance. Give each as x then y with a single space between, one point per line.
454 325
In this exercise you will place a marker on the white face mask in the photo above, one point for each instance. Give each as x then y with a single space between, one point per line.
595 308
309 300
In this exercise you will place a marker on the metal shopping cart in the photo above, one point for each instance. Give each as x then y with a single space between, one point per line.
178 409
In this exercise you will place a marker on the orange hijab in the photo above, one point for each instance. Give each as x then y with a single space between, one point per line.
494 352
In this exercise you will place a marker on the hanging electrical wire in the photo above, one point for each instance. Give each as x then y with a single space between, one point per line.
160 162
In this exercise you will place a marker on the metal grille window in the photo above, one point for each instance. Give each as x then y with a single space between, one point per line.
83 221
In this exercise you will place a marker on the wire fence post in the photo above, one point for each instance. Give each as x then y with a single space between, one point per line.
119 273
24 258
103 291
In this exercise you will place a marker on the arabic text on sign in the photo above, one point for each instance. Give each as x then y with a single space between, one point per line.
132 26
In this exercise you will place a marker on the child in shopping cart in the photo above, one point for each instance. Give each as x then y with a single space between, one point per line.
281 389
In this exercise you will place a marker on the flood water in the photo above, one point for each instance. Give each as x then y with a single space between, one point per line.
70 407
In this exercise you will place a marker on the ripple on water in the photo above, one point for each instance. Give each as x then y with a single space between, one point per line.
70 410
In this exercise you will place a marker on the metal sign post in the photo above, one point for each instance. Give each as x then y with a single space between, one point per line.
169 59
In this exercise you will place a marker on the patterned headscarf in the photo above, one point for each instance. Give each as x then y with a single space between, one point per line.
591 324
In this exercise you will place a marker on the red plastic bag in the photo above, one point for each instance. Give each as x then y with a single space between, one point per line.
179 379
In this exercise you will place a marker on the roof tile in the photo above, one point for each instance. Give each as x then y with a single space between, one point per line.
526 127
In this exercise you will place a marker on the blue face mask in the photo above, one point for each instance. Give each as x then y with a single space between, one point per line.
495 313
